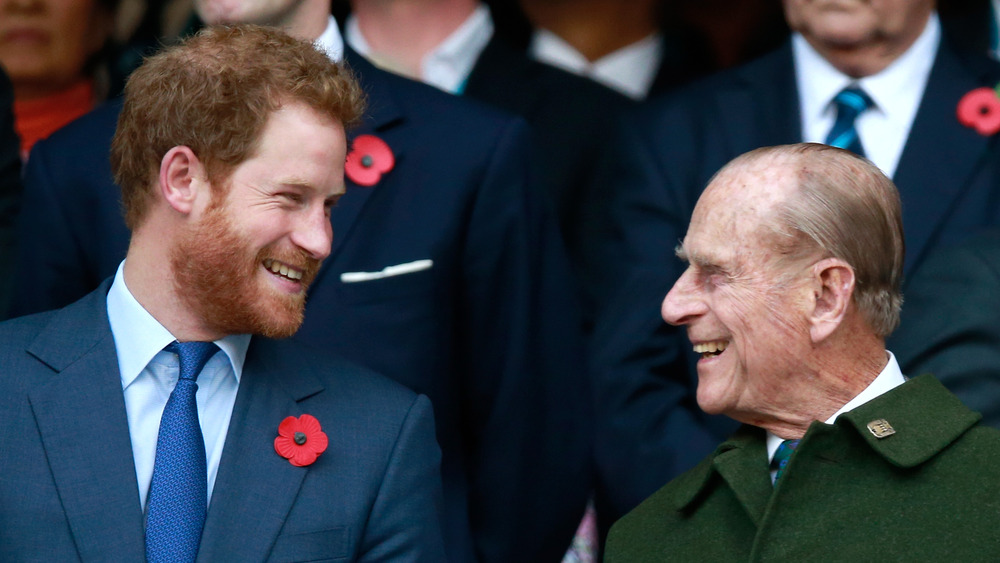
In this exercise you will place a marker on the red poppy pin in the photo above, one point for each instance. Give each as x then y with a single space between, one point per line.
370 157
980 110
300 440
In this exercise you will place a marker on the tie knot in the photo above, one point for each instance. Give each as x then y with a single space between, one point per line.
193 356
852 99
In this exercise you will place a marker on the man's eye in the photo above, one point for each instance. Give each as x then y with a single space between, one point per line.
292 197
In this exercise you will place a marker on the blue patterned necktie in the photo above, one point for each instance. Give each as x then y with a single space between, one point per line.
781 457
178 492
851 102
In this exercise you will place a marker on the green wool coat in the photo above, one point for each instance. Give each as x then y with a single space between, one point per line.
928 492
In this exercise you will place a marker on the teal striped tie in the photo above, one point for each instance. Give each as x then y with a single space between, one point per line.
851 102
781 457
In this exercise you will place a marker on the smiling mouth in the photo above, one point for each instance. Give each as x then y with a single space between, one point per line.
283 270
710 349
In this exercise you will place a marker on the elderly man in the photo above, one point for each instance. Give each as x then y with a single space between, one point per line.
881 78
795 257
144 422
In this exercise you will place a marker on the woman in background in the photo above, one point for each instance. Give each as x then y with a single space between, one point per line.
54 51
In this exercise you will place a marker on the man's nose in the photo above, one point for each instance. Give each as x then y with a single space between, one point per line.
315 234
683 303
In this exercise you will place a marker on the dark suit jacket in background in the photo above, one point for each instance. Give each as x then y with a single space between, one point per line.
491 332
69 490
925 493
949 181
950 325
571 118
10 188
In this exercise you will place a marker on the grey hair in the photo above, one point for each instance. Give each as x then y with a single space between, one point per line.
845 208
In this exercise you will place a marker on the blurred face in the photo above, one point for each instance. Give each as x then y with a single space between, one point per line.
889 25
44 44
246 265
261 12
738 302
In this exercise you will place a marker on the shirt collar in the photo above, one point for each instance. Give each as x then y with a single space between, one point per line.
331 42
448 65
888 379
139 337
631 70
899 85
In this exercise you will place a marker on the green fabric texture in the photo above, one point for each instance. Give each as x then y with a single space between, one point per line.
928 492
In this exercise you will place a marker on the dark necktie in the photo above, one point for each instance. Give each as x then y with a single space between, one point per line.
781 457
851 102
178 492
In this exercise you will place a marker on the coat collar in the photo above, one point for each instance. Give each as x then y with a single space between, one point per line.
917 438
741 461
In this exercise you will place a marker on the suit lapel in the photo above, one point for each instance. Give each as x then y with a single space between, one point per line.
762 109
941 157
382 115
255 487
81 418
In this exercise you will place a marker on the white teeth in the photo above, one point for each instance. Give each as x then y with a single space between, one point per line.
282 269
710 347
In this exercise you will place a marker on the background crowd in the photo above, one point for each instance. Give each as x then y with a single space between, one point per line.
533 190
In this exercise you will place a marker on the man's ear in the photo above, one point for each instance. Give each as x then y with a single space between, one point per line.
182 179
833 286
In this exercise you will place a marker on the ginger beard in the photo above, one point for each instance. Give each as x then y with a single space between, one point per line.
219 275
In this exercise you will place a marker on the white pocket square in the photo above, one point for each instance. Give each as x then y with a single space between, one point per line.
387 272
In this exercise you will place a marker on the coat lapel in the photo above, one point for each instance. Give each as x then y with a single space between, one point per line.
742 462
256 488
81 418
941 157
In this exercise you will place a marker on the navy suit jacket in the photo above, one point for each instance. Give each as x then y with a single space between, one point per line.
69 490
950 327
490 332
570 116
651 427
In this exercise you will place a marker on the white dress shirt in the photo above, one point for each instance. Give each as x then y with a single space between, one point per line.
888 379
448 65
330 41
630 70
896 92
149 375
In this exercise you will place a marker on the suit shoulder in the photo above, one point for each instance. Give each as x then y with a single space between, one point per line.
92 131
421 102
351 381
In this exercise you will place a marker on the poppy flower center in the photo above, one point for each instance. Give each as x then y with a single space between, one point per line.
300 438
367 161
